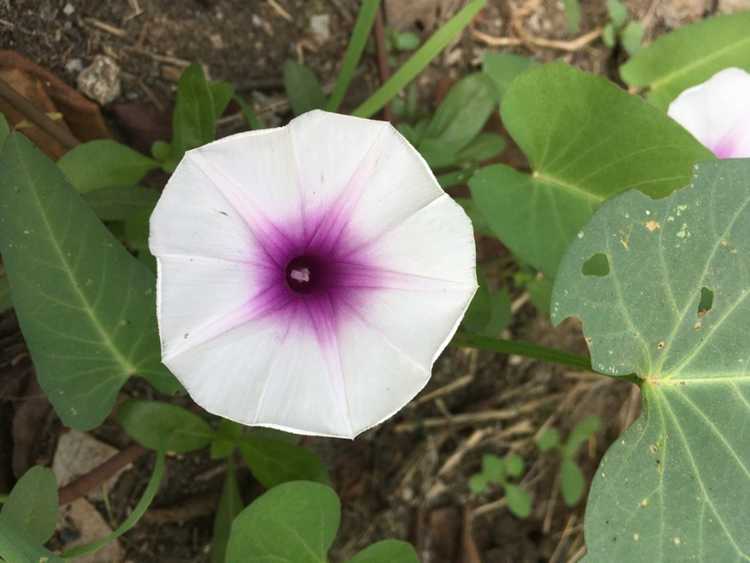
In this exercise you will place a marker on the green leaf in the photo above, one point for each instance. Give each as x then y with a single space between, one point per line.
161 151
195 113
230 505
354 50
514 465
104 164
483 147
32 505
225 439
669 488
294 522
459 119
688 56
556 115
549 439
221 93
632 36
618 13
157 425
572 483
478 220
503 68
85 306
419 60
15 547
302 88
478 483
121 202
493 468
405 40
519 501
273 462
580 434
152 487
489 313
387 551
540 292
573 15
609 36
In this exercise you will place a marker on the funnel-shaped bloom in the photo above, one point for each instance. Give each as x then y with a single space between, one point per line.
310 275
717 113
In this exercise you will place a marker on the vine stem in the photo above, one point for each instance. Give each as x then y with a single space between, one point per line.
529 350
99 474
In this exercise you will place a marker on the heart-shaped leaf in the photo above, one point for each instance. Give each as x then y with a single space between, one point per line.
673 308
557 115
296 521
689 56
85 306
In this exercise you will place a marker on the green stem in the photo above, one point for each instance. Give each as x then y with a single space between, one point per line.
362 27
528 350
148 496
419 60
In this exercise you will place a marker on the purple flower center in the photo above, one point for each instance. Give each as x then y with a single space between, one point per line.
306 274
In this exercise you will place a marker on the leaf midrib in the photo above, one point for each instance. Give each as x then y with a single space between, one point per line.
127 368
659 83
571 188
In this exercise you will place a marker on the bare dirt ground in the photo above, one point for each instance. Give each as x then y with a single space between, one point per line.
408 477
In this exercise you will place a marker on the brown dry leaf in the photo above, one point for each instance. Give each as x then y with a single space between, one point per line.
32 90
82 521
50 94
78 453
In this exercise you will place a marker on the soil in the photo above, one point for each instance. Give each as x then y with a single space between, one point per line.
408 477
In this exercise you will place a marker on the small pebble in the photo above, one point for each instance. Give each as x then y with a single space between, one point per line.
69 9
74 65
320 25
100 81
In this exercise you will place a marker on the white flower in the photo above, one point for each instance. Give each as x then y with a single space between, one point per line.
717 113
309 275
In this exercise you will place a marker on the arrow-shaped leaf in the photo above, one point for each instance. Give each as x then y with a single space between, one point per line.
672 306
85 306
586 140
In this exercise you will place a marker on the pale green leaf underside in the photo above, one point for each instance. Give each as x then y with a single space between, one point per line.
689 56
587 140
676 485
85 306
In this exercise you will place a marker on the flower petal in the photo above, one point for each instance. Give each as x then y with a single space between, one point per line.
192 218
717 113
379 377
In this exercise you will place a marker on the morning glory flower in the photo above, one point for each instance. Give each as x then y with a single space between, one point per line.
309 275
717 113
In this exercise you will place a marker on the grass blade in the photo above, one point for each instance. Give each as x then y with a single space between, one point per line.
419 60
354 50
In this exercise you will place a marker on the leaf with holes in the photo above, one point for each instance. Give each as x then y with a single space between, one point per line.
586 141
85 306
689 56
673 309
